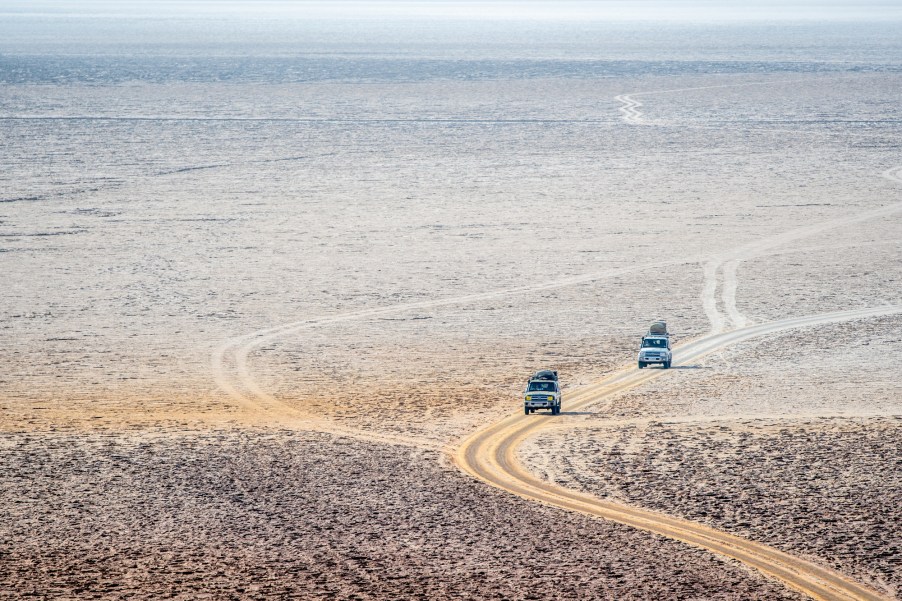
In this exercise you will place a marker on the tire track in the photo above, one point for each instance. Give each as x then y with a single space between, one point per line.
729 261
490 455
630 109
232 374
631 114
230 361
709 298
730 284
894 174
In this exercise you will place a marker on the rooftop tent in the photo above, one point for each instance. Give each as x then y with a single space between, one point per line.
657 327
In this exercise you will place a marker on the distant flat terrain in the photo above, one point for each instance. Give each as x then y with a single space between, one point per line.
254 296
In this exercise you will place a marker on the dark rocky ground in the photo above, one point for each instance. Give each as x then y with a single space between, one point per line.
278 515
824 488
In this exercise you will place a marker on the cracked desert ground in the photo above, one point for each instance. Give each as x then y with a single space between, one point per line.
254 297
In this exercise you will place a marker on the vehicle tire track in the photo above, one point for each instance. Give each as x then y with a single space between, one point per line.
631 114
729 262
490 455
730 284
709 296
240 385
630 109
230 361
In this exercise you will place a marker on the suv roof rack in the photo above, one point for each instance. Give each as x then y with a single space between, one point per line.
544 374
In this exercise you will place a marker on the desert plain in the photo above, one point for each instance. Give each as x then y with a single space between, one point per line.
253 303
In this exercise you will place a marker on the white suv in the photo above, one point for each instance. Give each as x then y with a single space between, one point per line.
542 394
655 349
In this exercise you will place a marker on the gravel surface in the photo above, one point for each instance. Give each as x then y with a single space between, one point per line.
261 514
792 440
827 489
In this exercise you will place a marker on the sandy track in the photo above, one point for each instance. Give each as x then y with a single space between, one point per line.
233 375
281 514
241 386
490 455
730 284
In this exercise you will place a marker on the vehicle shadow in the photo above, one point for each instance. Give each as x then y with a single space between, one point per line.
576 413
691 367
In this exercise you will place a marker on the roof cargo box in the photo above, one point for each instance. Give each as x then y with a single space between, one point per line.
658 328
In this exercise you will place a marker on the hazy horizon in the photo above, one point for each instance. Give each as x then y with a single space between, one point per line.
443 31
611 10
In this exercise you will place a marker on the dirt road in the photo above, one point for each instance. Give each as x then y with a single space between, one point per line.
490 455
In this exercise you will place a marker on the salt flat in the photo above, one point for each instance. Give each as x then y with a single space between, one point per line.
248 303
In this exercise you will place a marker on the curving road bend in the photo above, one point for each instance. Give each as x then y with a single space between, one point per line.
490 455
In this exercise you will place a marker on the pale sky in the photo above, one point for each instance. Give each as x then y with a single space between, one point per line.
597 10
